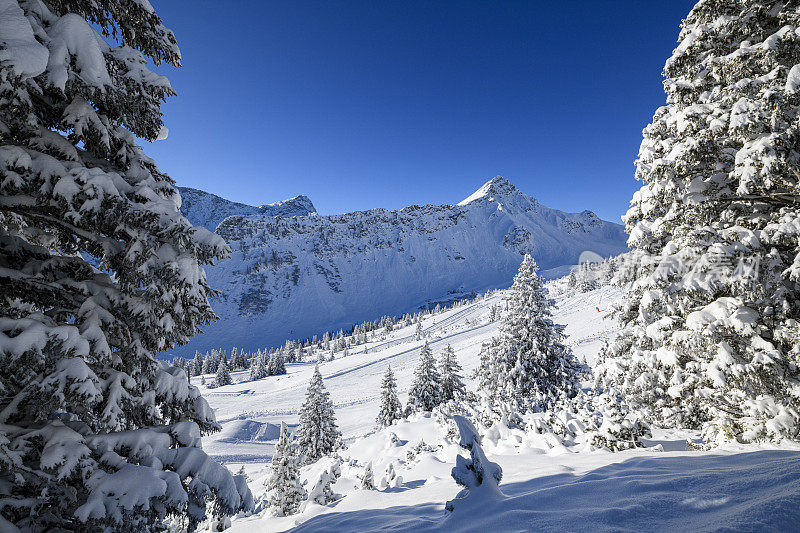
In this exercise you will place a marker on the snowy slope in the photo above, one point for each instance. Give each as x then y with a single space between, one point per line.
301 276
547 488
208 210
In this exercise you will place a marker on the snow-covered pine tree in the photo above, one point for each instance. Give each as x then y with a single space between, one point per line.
425 392
197 364
713 316
234 362
276 366
207 364
452 383
258 369
318 433
223 374
391 409
284 484
528 366
99 272
419 334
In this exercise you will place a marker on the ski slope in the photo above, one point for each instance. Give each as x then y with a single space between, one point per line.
665 487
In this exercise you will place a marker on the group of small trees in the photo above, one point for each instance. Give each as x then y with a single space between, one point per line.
432 386
317 436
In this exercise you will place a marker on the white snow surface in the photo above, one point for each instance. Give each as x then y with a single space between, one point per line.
665 487
295 277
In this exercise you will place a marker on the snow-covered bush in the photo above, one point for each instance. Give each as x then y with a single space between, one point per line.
713 313
367 478
479 476
99 272
322 493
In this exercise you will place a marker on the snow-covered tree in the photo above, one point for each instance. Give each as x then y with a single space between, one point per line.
258 369
197 364
712 318
276 366
452 383
223 374
391 409
528 365
99 272
419 334
425 392
318 433
284 484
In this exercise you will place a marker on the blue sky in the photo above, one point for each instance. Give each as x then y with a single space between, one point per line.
387 104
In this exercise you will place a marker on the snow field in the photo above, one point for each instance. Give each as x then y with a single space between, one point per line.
547 486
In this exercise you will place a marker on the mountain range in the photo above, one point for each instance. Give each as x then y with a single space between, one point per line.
293 273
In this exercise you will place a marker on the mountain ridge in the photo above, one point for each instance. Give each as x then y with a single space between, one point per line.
302 275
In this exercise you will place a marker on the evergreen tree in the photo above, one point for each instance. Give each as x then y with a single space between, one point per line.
419 334
713 314
452 383
223 375
99 272
318 434
425 393
276 367
391 409
287 492
529 366
258 369
197 364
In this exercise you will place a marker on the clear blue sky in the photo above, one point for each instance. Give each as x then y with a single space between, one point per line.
386 104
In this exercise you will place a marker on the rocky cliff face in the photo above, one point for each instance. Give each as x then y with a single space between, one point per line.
297 276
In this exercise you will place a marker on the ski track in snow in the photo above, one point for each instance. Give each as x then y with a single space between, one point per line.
736 489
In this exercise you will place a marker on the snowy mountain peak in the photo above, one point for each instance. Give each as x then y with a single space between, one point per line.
297 276
202 208
293 207
493 190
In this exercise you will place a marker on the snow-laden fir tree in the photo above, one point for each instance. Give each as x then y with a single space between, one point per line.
207 364
426 389
258 368
223 374
452 383
98 271
287 494
318 433
528 366
419 334
712 320
276 366
197 364
391 409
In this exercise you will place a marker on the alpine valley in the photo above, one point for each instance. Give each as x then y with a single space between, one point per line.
294 274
